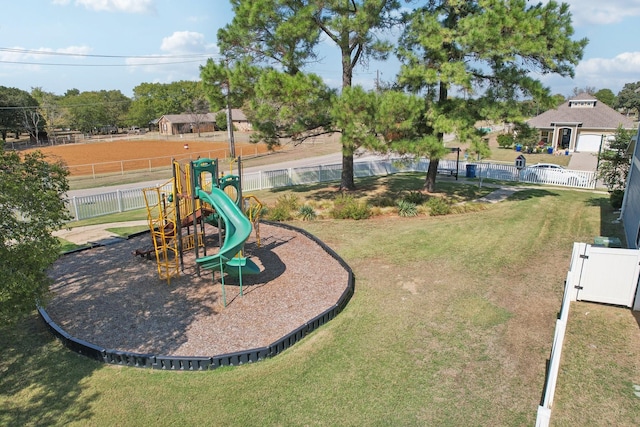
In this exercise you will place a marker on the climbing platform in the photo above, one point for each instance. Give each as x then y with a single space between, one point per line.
162 218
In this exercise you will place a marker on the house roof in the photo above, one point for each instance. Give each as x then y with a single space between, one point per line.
585 110
188 118
236 114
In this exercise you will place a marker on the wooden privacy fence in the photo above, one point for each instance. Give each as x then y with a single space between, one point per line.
124 200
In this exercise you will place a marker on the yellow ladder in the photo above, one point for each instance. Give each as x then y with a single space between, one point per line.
161 215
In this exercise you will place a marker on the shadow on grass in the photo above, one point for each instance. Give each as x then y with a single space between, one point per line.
531 193
388 186
609 224
41 381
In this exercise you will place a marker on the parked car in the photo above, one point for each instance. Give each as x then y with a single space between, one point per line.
549 173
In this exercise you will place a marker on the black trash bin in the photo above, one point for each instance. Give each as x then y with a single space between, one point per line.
471 171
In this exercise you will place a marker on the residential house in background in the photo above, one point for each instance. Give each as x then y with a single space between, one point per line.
176 124
580 124
240 122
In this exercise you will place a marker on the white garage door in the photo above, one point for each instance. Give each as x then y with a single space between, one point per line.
589 143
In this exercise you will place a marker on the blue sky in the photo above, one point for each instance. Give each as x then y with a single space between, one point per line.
122 43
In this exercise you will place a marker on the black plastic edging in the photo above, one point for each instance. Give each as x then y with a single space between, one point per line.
194 363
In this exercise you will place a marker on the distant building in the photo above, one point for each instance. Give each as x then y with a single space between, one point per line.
240 121
175 124
580 124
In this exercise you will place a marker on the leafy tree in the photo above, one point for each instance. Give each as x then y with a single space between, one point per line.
354 111
33 123
489 45
153 100
606 96
226 84
221 120
629 97
290 32
272 32
290 106
615 161
31 208
90 111
525 135
85 111
13 103
116 106
197 111
51 111
587 89
557 99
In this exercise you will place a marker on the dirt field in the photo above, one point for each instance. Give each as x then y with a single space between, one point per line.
103 157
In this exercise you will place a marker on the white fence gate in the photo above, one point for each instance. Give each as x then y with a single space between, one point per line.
597 274
606 275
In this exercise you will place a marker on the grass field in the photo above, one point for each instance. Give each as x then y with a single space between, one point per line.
451 324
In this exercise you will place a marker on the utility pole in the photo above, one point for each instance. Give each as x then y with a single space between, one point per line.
232 145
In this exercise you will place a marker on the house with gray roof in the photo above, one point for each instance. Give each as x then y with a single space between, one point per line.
580 124
175 124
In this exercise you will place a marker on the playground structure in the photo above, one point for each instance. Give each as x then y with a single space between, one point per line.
178 211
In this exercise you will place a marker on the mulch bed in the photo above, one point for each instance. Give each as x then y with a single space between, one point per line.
110 297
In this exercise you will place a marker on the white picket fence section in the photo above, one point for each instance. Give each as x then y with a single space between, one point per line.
124 200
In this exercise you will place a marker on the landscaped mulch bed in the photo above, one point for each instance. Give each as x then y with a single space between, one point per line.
109 297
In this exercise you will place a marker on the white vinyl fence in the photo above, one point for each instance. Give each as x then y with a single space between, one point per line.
597 274
125 200
544 410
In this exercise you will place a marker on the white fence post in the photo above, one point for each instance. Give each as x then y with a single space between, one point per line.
76 214
276 178
120 201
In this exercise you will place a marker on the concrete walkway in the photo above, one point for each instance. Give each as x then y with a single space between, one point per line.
499 195
94 234
583 161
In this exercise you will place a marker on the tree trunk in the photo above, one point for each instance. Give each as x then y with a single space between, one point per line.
346 179
430 180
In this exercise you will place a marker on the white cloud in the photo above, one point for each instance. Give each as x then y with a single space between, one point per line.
601 73
624 63
589 12
184 42
610 73
176 68
127 6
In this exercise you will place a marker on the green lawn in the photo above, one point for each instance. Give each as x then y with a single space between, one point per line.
451 324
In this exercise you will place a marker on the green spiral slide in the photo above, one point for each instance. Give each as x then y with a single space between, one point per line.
237 230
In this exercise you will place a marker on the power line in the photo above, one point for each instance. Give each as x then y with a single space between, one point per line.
100 65
87 55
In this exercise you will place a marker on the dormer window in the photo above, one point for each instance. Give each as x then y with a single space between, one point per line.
589 103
